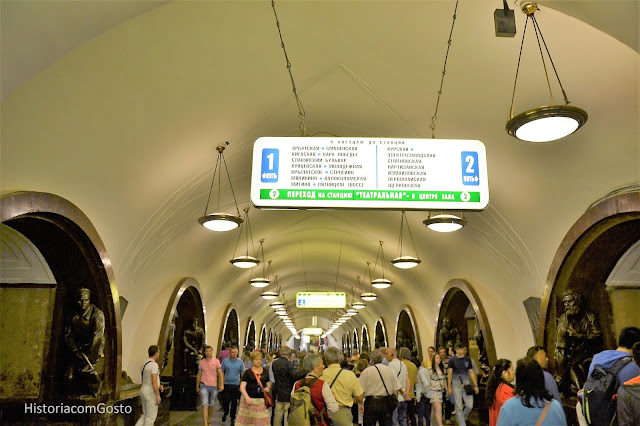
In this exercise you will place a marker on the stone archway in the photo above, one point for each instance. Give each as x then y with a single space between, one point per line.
250 341
380 336
184 304
584 263
231 331
366 347
77 257
461 305
263 337
407 334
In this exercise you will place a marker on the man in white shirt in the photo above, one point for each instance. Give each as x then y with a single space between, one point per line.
378 381
400 370
150 389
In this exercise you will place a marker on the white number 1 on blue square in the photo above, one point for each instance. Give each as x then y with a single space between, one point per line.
270 163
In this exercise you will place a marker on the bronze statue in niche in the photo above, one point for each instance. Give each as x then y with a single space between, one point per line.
448 335
577 340
169 345
193 339
84 339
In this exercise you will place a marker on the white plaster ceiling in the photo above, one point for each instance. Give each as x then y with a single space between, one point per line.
118 106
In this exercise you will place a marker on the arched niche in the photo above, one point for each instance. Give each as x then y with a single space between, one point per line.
76 257
356 341
230 331
380 336
184 304
407 334
263 337
584 262
270 344
461 304
366 347
278 342
250 340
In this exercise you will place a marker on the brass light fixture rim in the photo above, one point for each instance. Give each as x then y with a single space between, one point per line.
403 259
239 259
220 216
546 111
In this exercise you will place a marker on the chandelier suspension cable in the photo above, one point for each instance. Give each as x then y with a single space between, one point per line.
539 36
301 112
230 186
513 95
335 287
544 63
444 71
215 170
304 269
538 30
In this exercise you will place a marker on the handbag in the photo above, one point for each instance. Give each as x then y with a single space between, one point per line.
268 398
391 401
469 389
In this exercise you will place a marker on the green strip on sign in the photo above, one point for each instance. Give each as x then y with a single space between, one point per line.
364 195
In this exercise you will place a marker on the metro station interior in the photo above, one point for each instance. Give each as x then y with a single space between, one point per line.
112 113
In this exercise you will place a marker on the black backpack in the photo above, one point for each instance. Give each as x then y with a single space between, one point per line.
598 406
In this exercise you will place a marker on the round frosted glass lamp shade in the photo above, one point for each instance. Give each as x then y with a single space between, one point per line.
405 262
220 221
368 297
444 222
244 262
259 282
381 283
269 295
547 123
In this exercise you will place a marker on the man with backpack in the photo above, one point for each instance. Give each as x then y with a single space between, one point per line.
604 379
345 386
628 404
311 397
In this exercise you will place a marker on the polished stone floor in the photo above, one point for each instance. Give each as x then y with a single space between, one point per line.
188 418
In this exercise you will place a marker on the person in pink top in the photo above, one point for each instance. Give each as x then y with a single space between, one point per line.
210 380
499 388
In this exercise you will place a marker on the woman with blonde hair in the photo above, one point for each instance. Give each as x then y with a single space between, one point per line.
255 382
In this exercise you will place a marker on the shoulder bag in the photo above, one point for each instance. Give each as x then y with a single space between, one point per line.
391 400
544 413
268 398
468 389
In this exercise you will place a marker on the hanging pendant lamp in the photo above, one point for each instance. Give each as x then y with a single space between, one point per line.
546 123
381 282
368 296
445 222
264 280
220 221
245 261
404 261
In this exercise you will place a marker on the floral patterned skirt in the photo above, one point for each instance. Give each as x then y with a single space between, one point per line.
255 414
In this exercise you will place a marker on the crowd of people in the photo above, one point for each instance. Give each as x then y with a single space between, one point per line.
389 386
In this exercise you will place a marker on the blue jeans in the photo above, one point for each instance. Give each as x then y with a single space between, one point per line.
463 402
400 414
208 394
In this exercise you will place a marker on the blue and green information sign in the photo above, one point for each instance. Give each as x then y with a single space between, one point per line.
369 173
